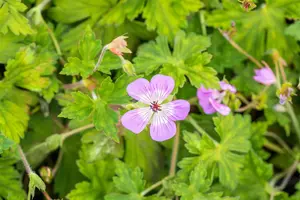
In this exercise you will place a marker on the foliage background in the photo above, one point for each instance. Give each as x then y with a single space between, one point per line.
46 47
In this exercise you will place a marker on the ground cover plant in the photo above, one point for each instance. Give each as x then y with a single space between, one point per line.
150 99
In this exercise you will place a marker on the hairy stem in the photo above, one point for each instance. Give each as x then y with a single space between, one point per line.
28 168
155 185
100 58
46 195
198 128
24 160
281 142
58 162
288 176
242 98
240 49
175 151
78 130
246 107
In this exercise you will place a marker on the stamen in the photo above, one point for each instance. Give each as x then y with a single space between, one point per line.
155 106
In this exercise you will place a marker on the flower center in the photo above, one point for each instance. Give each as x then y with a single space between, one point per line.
155 106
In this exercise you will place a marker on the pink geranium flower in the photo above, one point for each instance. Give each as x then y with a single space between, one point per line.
162 116
265 76
210 99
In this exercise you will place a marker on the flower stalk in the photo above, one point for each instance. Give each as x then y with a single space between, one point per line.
175 151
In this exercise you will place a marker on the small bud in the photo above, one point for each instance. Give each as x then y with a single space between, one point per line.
128 68
89 84
247 5
46 174
279 108
298 86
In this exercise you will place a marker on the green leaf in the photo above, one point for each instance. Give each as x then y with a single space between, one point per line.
199 187
192 142
12 19
30 69
294 30
13 120
88 48
5 143
106 119
224 55
171 16
128 180
128 9
281 118
68 174
227 156
10 179
254 177
115 93
99 173
68 11
35 182
98 146
81 107
142 151
268 34
49 92
185 60
258 130
234 132
10 44
244 81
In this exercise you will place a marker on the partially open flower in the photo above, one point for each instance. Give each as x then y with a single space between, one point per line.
210 99
265 76
119 46
285 93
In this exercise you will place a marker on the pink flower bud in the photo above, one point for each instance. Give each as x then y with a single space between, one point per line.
265 76
119 46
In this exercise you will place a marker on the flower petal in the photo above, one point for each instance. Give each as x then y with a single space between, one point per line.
176 110
162 128
221 108
161 87
204 95
136 120
226 86
140 90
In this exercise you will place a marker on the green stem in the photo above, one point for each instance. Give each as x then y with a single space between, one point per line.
240 49
294 119
198 128
288 176
42 5
281 142
273 147
175 151
155 185
78 130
